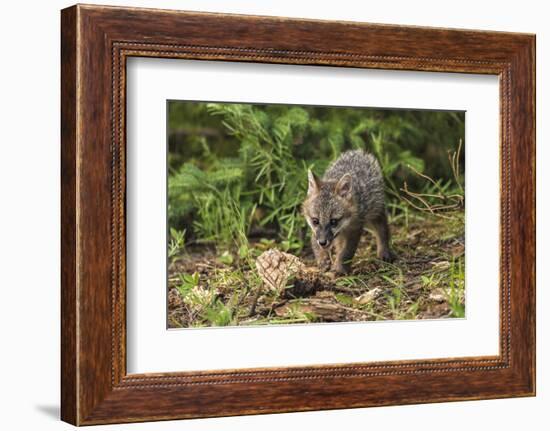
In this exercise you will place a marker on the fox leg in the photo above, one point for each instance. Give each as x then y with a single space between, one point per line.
321 255
345 246
382 233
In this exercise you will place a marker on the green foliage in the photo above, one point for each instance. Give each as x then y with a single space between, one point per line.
187 282
219 314
238 169
456 289
226 258
176 243
399 305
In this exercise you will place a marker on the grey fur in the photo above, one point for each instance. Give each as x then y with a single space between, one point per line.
350 195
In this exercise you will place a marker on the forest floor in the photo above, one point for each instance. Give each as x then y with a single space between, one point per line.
209 288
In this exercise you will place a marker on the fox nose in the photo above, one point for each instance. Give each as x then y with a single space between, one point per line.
323 242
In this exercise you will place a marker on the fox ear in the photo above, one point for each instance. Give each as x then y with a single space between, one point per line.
313 183
343 188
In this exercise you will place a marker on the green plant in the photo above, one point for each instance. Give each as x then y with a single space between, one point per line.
187 282
177 242
400 306
219 314
430 281
456 289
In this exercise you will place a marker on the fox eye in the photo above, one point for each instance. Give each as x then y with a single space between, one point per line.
315 221
333 222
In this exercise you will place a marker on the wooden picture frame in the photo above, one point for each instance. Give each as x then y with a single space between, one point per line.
95 43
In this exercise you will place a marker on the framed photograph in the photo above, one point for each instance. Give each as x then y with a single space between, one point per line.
264 215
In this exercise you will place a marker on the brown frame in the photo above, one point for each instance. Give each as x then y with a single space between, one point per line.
95 42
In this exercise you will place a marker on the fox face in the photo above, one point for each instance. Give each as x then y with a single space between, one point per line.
329 207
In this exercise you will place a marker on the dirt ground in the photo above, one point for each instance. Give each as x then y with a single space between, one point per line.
206 288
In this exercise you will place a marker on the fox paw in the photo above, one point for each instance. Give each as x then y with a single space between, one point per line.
387 255
341 269
324 266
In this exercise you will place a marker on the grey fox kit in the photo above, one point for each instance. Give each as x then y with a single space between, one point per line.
337 207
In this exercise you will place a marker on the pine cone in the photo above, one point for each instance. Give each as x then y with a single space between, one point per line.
278 269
